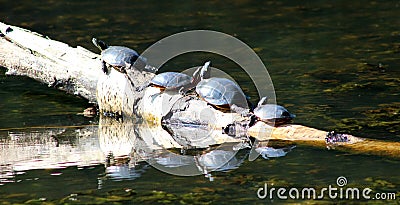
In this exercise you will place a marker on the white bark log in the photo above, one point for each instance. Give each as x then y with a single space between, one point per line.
74 70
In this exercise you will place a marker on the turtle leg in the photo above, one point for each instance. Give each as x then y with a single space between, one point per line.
142 87
104 67
253 120
240 110
182 91
187 90
120 69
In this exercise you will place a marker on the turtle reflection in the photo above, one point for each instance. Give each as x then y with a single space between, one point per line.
143 143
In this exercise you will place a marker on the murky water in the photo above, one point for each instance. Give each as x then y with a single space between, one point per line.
335 65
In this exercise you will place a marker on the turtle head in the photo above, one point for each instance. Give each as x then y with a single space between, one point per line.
253 120
99 44
202 73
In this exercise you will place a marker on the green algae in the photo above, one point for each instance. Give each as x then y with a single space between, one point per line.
386 117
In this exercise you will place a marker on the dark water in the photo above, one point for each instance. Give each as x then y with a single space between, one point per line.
334 64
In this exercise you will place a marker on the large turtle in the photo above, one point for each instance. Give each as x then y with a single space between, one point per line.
120 58
222 93
179 81
270 114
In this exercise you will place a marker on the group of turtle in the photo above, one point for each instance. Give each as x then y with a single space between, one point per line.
222 93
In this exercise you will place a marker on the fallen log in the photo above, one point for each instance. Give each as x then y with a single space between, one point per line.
78 71
314 137
74 70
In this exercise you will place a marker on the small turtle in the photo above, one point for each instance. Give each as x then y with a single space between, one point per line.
118 57
179 81
222 93
270 114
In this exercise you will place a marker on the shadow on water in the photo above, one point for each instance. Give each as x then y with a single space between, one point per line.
334 64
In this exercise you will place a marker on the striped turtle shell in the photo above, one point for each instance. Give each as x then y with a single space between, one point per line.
171 80
175 80
272 113
221 91
119 57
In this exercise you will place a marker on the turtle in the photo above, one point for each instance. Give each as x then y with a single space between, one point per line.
119 57
170 80
221 93
270 114
179 81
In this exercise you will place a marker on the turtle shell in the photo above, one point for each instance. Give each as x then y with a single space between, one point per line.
119 56
221 91
272 112
171 80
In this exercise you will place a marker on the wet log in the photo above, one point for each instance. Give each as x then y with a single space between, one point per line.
77 71
314 137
